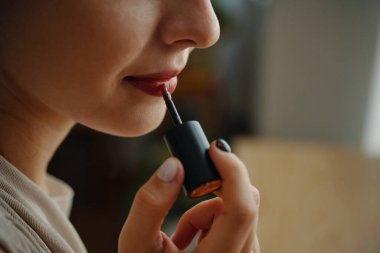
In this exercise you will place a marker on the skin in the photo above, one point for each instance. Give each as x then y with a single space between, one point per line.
63 62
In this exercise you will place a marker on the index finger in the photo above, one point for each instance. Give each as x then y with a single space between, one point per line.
233 227
236 190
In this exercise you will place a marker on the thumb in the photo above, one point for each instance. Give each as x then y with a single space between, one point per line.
141 231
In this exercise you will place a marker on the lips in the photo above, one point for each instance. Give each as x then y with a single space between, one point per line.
151 84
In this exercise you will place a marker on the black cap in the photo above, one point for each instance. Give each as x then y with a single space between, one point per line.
189 144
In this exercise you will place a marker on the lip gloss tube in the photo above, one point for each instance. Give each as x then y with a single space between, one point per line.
188 142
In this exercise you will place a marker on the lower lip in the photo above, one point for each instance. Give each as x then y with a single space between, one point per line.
151 86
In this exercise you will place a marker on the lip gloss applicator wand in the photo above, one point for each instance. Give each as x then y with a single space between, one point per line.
188 142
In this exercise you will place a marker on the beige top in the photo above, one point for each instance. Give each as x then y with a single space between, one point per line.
32 220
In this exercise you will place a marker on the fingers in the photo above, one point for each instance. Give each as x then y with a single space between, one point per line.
141 231
252 243
200 217
234 226
236 187
256 245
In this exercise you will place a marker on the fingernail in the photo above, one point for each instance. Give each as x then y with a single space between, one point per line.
223 145
168 170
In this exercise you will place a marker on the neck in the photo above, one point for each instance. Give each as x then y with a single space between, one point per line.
30 133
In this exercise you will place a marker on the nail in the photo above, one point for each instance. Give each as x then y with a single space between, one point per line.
168 170
223 145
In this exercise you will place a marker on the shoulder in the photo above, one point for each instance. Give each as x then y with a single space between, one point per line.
15 235
9 236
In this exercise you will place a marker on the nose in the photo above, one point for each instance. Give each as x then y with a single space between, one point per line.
189 23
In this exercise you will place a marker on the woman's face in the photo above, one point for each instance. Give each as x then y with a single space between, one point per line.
97 62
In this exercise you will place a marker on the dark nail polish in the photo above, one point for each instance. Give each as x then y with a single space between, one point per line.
223 145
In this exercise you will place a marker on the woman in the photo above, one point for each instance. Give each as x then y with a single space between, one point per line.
95 63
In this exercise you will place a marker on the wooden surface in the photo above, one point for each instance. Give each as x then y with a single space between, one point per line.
314 197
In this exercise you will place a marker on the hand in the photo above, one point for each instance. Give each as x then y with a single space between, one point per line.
228 223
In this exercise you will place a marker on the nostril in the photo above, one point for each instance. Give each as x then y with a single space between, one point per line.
185 43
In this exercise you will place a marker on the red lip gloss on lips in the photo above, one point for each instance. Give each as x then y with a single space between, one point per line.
188 142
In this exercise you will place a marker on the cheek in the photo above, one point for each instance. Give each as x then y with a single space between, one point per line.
70 58
69 43
72 45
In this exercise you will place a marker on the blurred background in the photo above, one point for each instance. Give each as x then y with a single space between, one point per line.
294 85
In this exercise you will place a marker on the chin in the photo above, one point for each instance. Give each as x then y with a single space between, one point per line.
136 121
134 127
140 130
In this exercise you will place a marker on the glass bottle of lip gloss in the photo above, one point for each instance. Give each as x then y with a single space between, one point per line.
187 142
